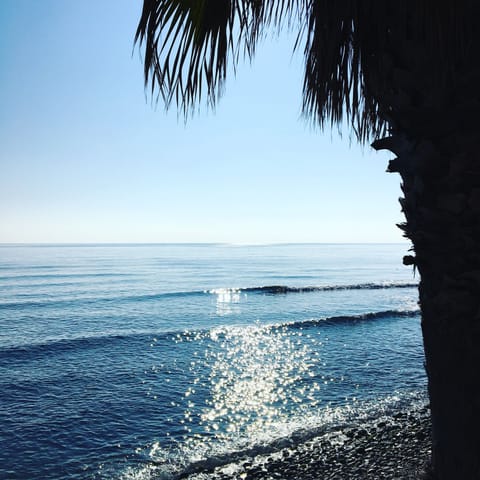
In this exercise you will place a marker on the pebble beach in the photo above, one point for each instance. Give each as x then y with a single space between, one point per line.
395 448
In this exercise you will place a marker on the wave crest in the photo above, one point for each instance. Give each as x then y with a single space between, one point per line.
51 346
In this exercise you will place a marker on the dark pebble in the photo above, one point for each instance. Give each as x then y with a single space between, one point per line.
370 452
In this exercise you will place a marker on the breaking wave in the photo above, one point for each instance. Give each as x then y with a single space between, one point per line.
57 346
259 290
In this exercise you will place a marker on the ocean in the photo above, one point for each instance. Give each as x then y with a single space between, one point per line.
163 361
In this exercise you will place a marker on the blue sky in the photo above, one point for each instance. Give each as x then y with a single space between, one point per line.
86 157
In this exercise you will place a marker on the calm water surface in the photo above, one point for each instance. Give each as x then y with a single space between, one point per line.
136 361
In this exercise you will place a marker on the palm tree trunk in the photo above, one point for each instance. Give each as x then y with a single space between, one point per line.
439 164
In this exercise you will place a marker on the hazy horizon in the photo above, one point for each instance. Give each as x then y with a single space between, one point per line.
233 244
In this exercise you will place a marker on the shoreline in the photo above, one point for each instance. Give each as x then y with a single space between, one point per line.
387 448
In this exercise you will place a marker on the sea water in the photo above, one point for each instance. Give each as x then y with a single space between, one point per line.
150 361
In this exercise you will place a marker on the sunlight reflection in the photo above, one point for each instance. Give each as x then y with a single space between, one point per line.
255 374
226 300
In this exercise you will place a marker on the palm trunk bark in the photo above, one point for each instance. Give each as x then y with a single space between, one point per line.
438 160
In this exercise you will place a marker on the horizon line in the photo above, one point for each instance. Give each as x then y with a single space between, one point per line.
6 244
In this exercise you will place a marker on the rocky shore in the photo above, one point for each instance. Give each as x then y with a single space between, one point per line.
388 448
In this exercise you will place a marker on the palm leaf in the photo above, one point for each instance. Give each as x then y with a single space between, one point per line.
351 47
187 42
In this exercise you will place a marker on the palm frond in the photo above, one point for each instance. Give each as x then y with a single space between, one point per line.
187 42
354 49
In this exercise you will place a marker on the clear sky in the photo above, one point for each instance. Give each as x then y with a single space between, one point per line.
86 157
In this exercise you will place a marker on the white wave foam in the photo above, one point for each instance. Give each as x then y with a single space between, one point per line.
197 460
